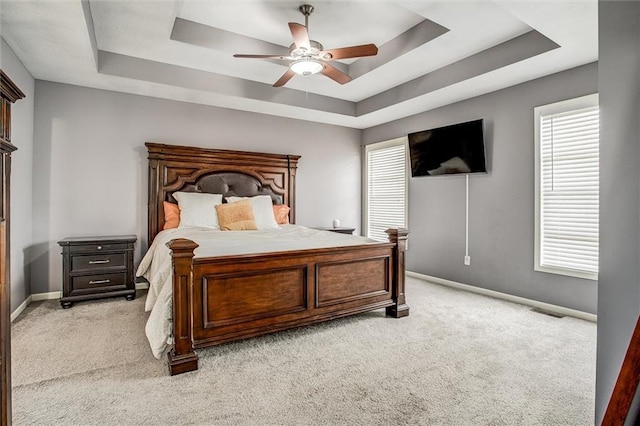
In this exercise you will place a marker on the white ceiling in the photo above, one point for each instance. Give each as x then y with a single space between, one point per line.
431 53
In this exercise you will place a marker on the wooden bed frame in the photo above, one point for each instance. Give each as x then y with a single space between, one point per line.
227 298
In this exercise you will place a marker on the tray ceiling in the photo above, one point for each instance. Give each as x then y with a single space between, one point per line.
431 53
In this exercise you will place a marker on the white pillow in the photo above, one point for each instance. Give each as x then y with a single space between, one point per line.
198 209
262 210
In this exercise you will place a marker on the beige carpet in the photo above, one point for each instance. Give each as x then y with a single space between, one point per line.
458 359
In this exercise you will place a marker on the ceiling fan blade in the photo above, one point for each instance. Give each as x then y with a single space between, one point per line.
300 35
285 77
335 74
350 52
260 56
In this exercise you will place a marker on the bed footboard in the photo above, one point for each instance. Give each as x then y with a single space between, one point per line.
228 298
398 236
182 358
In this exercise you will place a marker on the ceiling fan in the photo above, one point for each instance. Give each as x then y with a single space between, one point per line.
307 57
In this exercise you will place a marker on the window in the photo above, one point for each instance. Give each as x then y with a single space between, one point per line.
385 187
567 187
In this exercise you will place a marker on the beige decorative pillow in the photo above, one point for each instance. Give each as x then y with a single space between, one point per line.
262 210
236 216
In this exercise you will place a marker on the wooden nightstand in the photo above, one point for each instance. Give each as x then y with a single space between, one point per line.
340 229
97 267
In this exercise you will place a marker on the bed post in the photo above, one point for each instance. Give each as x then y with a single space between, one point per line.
182 358
398 236
152 202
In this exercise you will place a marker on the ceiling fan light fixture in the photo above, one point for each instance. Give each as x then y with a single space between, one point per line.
308 57
307 66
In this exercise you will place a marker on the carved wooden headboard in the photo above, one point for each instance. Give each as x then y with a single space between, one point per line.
231 173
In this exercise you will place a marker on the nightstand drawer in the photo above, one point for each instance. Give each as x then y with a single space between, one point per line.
96 283
98 261
97 247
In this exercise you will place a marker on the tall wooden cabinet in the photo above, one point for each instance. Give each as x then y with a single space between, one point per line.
10 94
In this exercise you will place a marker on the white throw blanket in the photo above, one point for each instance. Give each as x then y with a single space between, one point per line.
156 263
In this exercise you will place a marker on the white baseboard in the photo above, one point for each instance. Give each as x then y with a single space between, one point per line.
21 308
53 295
498 295
33 298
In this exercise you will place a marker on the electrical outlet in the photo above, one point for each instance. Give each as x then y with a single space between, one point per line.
467 260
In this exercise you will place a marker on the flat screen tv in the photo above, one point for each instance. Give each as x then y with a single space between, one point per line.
454 149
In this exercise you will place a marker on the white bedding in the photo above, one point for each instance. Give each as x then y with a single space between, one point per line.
156 264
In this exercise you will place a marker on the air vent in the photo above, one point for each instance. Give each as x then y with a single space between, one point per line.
549 313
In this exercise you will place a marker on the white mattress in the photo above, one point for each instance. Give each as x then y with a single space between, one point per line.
156 264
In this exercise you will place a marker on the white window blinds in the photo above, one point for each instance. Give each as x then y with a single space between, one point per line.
386 180
568 182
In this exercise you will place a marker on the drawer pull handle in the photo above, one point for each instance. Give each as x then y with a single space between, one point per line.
99 281
95 262
99 247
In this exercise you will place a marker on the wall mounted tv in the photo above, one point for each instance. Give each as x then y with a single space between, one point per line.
454 149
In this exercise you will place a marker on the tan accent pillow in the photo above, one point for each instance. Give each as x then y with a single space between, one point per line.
262 210
236 216
171 215
281 213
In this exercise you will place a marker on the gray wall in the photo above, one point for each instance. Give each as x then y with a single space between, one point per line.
501 203
91 169
619 278
21 175
88 176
